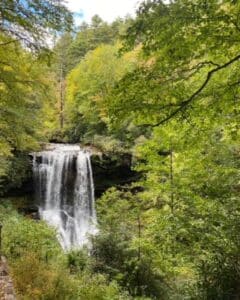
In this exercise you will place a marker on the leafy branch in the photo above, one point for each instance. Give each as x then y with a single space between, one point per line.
187 102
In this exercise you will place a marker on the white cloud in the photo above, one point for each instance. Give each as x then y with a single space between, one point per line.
108 10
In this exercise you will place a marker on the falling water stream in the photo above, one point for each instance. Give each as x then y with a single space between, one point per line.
65 193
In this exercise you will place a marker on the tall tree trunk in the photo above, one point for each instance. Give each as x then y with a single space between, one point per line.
62 95
171 181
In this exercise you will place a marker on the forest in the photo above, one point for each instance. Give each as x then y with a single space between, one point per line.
163 88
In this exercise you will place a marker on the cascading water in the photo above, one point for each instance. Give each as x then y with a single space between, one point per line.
65 193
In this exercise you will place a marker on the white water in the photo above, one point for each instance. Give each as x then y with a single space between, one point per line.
65 193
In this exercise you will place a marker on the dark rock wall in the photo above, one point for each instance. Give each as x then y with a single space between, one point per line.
112 171
109 170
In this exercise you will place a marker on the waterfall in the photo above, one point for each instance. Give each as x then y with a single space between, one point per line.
65 193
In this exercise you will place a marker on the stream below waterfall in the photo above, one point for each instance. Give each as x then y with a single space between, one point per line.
65 193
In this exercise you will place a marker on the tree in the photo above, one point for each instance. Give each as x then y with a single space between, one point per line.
186 92
25 85
120 249
184 61
30 21
61 66
87 87
90 36
25 77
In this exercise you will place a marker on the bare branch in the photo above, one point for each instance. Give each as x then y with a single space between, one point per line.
185 103
19 81
9 42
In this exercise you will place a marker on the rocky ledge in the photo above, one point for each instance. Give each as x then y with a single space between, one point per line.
112 170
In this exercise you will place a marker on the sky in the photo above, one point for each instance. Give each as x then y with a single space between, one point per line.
108 10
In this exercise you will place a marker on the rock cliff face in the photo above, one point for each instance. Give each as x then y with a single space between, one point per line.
111 170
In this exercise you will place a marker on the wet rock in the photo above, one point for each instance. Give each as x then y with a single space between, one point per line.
112 170
30 211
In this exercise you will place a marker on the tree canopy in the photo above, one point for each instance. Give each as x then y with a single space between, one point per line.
32 21
163 88
25 82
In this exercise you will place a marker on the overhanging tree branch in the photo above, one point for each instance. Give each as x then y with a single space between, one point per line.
185 103
8 42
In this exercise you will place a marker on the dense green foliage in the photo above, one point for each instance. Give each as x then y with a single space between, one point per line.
72 52
90 36
187 92
30 21
41 270
167 93
88 85
26 82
